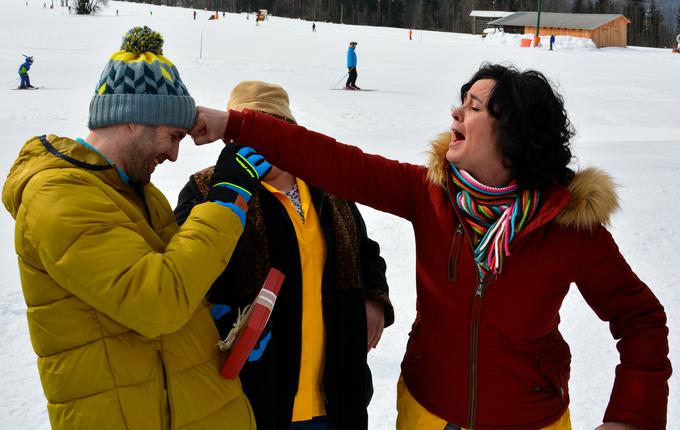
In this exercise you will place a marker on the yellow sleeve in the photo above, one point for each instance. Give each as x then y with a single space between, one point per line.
91 248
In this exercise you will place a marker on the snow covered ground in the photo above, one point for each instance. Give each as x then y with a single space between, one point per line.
624 104
561 42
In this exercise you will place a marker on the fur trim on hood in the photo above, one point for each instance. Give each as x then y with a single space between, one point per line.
593 191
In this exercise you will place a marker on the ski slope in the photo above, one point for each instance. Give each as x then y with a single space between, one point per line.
624 104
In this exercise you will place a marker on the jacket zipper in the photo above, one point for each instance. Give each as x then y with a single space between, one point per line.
475 316
166 380
474 344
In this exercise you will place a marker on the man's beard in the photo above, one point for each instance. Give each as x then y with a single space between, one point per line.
140 157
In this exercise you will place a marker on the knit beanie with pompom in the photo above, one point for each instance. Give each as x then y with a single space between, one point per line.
141 86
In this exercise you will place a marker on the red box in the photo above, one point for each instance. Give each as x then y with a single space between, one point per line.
257 320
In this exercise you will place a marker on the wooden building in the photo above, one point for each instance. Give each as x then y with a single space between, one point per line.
603 29
481 19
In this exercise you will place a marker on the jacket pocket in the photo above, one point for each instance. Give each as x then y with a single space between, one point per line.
456 243
555 374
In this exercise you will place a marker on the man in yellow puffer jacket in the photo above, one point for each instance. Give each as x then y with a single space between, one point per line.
114 288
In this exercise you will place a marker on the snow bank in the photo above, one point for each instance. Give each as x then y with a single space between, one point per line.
561 42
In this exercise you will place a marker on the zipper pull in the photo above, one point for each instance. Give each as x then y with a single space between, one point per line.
480 282
480 288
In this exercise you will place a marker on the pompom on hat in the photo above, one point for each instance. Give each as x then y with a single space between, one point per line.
262 97
141 86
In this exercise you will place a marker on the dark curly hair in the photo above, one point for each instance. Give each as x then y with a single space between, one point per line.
534 131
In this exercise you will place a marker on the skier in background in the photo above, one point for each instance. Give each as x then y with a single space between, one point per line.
410 34
352 67
552 41
313 27
23 73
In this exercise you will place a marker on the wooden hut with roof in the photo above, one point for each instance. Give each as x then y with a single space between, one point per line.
481 19
603 29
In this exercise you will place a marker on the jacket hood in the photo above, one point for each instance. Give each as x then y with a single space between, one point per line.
43 153
593 199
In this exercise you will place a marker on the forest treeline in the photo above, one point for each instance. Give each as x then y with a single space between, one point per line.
648 25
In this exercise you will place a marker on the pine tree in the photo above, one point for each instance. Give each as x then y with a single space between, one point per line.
636 12
677 21
582 6
87 7
603 6
579 6
655 25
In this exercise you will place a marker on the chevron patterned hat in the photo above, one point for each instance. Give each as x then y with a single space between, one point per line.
140 86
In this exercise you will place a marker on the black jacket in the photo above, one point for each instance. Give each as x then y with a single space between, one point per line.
271 382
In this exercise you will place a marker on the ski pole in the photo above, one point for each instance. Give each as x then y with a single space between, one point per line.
339 80
12 81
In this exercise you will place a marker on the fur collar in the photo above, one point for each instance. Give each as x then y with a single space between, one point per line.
593 191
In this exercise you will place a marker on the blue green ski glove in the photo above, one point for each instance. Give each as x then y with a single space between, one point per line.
237 173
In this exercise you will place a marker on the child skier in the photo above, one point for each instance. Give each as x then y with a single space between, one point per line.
23 73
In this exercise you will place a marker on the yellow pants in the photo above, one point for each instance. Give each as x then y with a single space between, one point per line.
411 415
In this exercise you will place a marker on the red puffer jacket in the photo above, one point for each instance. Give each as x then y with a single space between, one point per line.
490 355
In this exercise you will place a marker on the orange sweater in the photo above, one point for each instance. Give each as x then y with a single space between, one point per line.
309 398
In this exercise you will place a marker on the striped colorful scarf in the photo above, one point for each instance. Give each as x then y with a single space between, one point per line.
495 215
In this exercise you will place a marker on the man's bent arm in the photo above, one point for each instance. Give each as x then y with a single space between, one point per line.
99 258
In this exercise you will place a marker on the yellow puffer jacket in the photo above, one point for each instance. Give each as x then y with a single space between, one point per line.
115 295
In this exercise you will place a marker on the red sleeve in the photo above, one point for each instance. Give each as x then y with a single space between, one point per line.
343 170
638 321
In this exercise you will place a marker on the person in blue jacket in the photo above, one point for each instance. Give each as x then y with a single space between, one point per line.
352 66
23 73
552 41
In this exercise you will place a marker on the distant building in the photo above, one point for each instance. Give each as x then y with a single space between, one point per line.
481 19
193 4
603 29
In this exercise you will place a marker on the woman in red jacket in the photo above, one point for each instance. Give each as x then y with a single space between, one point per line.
503 227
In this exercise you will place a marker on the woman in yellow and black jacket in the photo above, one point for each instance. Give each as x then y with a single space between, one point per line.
309 365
